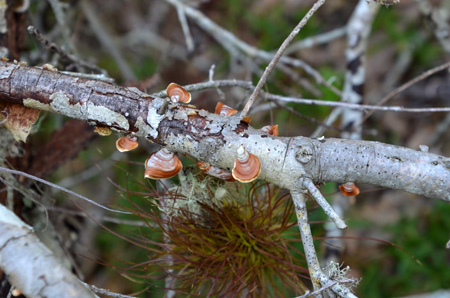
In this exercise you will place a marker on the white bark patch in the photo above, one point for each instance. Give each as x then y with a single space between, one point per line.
153 118
88 111
145 129
9 218
8 70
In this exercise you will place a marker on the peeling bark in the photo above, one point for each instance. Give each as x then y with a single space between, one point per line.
215 139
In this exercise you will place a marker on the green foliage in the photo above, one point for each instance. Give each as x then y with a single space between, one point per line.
422 263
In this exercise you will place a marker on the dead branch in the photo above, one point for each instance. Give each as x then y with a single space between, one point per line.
215 139
27 261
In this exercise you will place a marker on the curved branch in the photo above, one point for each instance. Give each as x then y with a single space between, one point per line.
215 139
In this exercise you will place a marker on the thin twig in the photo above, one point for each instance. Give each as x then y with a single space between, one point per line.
299 201
105 291
6 170
316 40
71 58
326 287
118 221
318 197
317 102
185 28
106 40
405 86
232 44
278 55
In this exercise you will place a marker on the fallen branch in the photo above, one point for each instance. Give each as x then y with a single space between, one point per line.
215 139
26 261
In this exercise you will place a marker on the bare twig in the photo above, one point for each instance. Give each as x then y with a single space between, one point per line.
105 291
318 102
326 287
316 40
107 41
185 27
318 197
278 55
299 201
6 170
65 56
232 44
407 85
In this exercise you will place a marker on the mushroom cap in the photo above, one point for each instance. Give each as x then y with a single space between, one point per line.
246 166
204 166
349 189
270 129
162 164
215 172
224 110
127 143
178 93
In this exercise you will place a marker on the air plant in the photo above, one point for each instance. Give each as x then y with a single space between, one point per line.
218 238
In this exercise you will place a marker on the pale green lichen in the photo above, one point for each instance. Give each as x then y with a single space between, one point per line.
35 104
87 111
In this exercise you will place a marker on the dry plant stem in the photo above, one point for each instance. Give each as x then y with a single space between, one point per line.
186 31
232 44
273 97
316 40
437 16
358 31
337 288
106 41
26 261
54 47
407 85
6 170
278 55
319 280
332 283
299 201
106 292
318 197
61 19
198 133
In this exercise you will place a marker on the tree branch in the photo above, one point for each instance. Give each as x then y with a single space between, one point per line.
26 261
215 139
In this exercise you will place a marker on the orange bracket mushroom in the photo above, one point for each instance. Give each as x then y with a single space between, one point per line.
215 172
127 143
246 166
270 130
224 110
162 164
178 93
349 189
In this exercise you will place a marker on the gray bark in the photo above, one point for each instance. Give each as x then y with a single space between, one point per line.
215 139
30 266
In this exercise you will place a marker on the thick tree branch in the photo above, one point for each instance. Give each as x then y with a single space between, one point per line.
215 139
26 261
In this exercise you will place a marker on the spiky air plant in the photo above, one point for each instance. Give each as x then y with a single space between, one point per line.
223 239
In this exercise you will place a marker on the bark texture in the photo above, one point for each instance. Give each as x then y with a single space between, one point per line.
26 261
215 139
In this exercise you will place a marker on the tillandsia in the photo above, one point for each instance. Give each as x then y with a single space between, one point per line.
218 238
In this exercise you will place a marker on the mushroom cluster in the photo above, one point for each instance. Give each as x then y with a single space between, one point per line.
164 163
